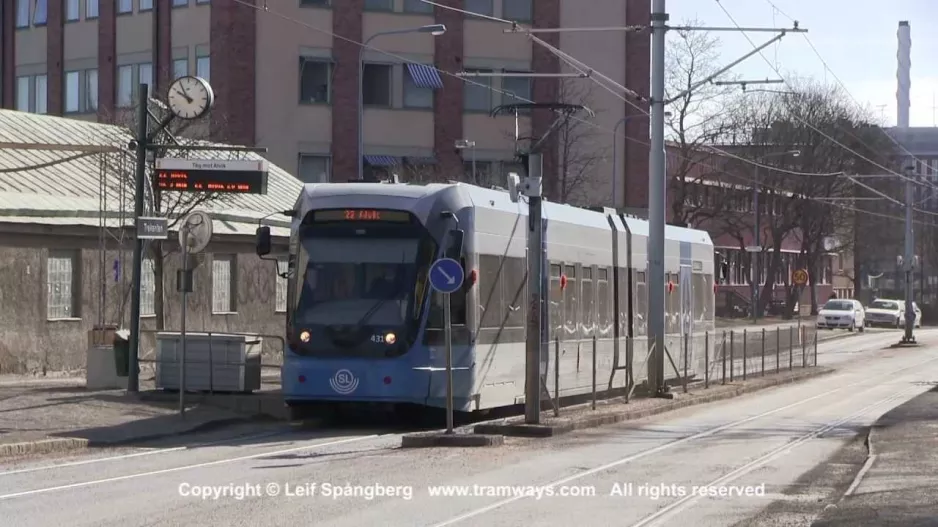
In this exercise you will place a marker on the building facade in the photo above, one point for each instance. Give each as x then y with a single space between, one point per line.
288 78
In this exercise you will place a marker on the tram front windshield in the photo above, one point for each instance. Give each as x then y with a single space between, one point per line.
354 289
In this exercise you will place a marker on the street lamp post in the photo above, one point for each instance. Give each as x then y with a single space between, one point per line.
434 29
462 144
757 260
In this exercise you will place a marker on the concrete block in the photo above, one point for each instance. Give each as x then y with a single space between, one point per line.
101 371
440 439
548 429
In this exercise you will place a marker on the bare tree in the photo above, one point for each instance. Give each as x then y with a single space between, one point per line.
832 137
581 152
697 119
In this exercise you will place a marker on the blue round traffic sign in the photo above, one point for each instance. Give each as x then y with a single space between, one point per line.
446 275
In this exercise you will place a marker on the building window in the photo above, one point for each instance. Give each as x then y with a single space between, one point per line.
518 10
180 3
72 10
125 89
22 93
315 80
379 5
72 91
41 16
281 291
91 8
203 1
416 6
203 68
478 98
60 300
91 90
416 96
314 169
519 87
376 85
22 13
482 7
146 5
42 90
147 289
314 3
224 283
125 6
144 76
180 68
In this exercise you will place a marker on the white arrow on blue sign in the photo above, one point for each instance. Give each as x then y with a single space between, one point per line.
446 275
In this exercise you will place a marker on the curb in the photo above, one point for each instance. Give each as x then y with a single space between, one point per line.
66 444
561 425
450 440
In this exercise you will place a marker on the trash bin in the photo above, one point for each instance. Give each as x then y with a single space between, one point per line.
122 352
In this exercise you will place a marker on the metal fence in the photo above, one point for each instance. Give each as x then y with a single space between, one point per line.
713 357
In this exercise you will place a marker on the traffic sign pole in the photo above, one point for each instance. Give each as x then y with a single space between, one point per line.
446 277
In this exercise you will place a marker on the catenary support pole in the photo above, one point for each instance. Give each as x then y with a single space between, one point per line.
909 258
534 340
143 130
656 203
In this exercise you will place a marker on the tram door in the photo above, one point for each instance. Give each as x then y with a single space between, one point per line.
687 307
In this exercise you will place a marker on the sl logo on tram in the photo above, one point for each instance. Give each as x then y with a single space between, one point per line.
343 382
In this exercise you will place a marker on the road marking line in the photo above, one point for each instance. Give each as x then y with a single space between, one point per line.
666 446
145 452
186 467
685 502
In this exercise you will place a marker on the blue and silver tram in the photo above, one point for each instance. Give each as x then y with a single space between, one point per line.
364 326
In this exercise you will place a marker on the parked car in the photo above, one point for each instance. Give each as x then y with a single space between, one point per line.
890 313
842 313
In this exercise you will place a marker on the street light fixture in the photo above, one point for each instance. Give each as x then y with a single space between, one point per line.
433 29
462 144
757 247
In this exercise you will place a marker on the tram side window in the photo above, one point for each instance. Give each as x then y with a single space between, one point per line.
571 304
490 291
587 327
556 302
515 273
603 301
700 298
708 294
457 303
641 303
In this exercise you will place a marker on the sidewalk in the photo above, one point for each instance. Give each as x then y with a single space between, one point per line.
899 483
42 416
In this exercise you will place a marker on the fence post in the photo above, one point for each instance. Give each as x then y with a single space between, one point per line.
723 356
791 347
594 373
763 352
686 338
211 366
778 348
707 359
732 353
815 347
745 351
804 346
556 376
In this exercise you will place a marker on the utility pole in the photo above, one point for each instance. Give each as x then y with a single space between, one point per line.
656 202
532 188
909 258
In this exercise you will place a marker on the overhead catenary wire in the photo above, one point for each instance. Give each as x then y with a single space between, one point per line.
402 59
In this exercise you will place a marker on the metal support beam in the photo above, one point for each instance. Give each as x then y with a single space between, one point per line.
656 203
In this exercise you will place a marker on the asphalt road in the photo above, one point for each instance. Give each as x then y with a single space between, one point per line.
632 474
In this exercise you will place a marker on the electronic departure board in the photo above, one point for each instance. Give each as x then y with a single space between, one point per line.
241 177
394 216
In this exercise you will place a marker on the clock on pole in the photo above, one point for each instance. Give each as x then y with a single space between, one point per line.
190 97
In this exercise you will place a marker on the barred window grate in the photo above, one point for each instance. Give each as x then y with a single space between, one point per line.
147 289
222 280
61 278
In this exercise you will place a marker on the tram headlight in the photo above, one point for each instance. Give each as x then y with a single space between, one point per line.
304 336
390 338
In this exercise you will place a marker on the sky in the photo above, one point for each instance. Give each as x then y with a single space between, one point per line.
856 38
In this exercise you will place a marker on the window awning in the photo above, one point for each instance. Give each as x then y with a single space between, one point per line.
421 160
425 76
382 161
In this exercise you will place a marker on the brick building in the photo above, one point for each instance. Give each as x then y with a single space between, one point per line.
282 83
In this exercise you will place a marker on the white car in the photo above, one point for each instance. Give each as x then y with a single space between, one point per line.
842 313
890 313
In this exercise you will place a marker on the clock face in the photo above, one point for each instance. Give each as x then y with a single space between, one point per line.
190 97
